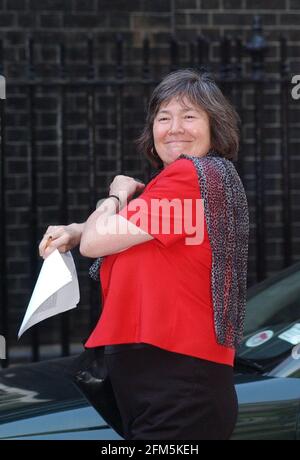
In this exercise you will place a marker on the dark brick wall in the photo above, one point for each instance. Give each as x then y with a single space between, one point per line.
70 21
53 20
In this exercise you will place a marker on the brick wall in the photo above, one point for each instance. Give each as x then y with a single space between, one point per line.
70 21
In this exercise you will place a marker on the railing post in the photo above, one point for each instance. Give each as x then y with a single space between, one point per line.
119 103
63 208
226 67
257 48
91 124
93 288
119 57
239 87
32 168
203 54
3 254
192 54
238 69
146 54
285 154
146 166
174 54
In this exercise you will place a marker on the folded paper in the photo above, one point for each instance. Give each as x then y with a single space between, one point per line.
56 290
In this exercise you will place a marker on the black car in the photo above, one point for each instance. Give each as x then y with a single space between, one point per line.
38 401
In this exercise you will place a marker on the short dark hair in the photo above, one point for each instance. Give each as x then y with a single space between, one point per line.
202 90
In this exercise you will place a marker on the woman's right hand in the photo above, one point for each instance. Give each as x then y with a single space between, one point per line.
64 238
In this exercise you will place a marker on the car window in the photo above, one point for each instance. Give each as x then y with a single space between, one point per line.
289 367
276 304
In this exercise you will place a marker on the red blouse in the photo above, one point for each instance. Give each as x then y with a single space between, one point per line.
159 292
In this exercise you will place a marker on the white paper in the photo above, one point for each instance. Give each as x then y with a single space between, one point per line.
56 290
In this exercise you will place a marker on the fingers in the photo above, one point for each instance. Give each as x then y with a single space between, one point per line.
49 232
126 184
46 244
128 179
57 243
42 245
140 186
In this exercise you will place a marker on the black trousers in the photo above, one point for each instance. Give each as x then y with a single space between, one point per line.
170 396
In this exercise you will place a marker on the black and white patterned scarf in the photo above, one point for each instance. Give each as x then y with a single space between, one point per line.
227 219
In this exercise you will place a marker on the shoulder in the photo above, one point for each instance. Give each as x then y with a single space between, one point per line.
181 170
181 175
181 164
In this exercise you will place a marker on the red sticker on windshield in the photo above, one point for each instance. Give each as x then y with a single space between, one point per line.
260 338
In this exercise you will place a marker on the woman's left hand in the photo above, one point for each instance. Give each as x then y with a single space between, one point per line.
125 186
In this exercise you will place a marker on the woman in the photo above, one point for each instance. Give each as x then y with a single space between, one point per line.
174 276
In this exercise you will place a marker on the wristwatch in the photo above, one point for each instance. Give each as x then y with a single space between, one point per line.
115 196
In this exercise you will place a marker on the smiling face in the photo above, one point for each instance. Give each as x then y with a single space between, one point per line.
180 127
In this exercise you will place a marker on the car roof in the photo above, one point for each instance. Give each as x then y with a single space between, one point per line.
28 387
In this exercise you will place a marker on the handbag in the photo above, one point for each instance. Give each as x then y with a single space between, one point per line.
90 375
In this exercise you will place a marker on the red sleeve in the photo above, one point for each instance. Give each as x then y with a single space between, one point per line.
168 210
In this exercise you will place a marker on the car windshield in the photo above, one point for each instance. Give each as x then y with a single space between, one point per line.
272 324
279 302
